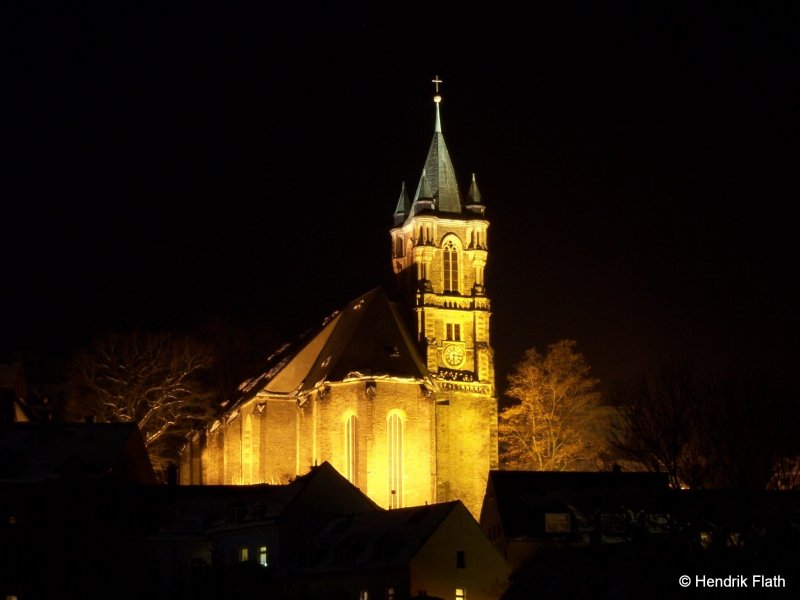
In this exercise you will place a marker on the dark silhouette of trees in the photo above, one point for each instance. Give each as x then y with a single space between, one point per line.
547 428
708 432
157 381
656 425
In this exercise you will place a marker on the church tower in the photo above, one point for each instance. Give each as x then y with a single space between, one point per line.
439 253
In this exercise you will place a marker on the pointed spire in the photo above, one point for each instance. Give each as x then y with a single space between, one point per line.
403 206
474 196
474 203
439 167
423 198
423 189
437 188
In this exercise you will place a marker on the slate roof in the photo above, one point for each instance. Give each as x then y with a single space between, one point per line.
438 177
366 339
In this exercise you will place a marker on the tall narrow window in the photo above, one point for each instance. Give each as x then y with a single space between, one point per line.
263 556
461 594
247 450
450 267
351 449
395 442
243 554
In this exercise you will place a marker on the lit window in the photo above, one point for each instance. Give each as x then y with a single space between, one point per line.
450 267
706 538
453 331
461 559
557 523
461 594
351 449
263 557
395 442
363 595
390 594
243 554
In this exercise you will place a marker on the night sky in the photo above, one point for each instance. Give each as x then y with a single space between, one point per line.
169 168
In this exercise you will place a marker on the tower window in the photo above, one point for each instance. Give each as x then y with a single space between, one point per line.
453 331
395 443
450 267
263 557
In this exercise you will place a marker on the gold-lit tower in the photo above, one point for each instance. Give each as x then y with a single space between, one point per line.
439 254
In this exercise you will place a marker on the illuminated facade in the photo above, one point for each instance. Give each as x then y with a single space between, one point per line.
399 398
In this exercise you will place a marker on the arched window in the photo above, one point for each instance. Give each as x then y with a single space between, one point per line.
450 266
351 449
395 443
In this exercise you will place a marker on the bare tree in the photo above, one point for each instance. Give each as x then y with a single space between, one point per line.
547 428
153 380
749 426
657 424
713 432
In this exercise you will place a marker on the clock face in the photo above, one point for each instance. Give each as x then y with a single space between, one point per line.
453 355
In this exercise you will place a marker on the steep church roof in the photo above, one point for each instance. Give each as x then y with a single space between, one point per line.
439 171
366 339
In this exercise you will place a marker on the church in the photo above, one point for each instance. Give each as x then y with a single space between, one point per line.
395 390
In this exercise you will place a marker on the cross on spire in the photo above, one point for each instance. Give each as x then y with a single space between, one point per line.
436 81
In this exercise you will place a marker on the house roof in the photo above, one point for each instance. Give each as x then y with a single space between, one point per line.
46 451
196 509
366 339
374 540
523 496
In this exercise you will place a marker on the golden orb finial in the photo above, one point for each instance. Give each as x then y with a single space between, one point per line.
436 81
